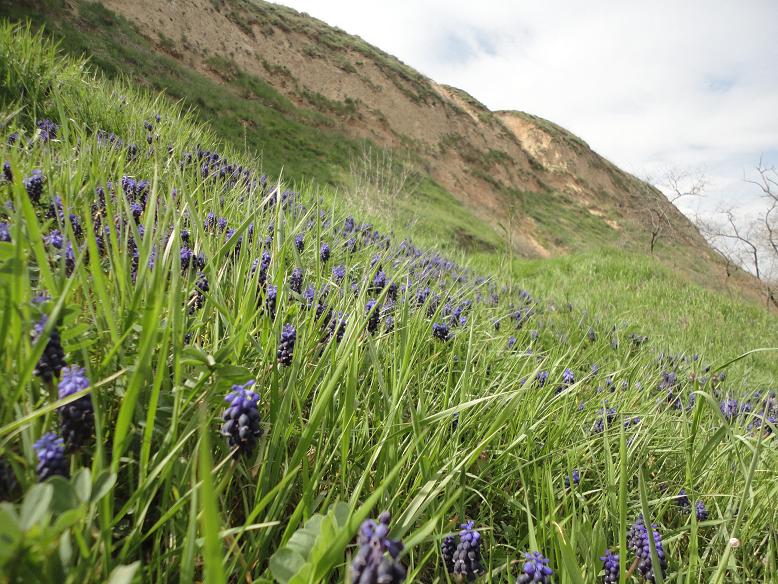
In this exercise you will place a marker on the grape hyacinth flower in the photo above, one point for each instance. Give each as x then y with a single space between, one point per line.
76 419
299 243
447 549
271 295
568 377
701 511
440 331
48 129
34 185
610 564
376 561
5 235
324 252
201 287
296 280
53 357
336 327
50 450
8 174
309 294
241 418
638 541
576 476
286 345
372 309
682 500
464 563
535 569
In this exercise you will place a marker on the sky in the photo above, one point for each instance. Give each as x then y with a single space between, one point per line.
653 86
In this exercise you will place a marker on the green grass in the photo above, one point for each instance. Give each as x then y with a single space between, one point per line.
350 428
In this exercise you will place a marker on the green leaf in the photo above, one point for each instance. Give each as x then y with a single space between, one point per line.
64 496
211 524
82 484
103 485
68 519
285 563
305 555
568 557
10 532
35 505
65 549
123 574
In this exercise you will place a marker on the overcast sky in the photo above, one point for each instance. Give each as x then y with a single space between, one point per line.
649 85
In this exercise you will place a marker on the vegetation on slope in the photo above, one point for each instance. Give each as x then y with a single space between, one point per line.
309 98
380 376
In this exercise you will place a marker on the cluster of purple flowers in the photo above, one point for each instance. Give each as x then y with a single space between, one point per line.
535 569
286 345
50 450
53 358
241 418
377 560
76 419
463 558
610 564
638 541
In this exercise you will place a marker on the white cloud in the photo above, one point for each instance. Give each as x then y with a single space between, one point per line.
649 85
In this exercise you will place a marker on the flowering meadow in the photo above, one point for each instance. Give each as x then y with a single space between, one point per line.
211 375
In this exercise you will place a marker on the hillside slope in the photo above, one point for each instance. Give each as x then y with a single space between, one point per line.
209 377
304 89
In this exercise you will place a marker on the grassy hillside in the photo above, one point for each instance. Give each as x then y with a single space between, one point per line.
364 375
309 99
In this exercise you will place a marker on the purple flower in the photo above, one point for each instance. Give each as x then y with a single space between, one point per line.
440 331
50 450
610 564
376 561
338 273
286 345
576 476
324 252
336 327
730 408
466 560
568 377
5 235
53 358
299 243
48 129
7 173
241 418
296 280
372 309
682 500
638 541
271 295
34 185
701 511
186 255
76 419
535 569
